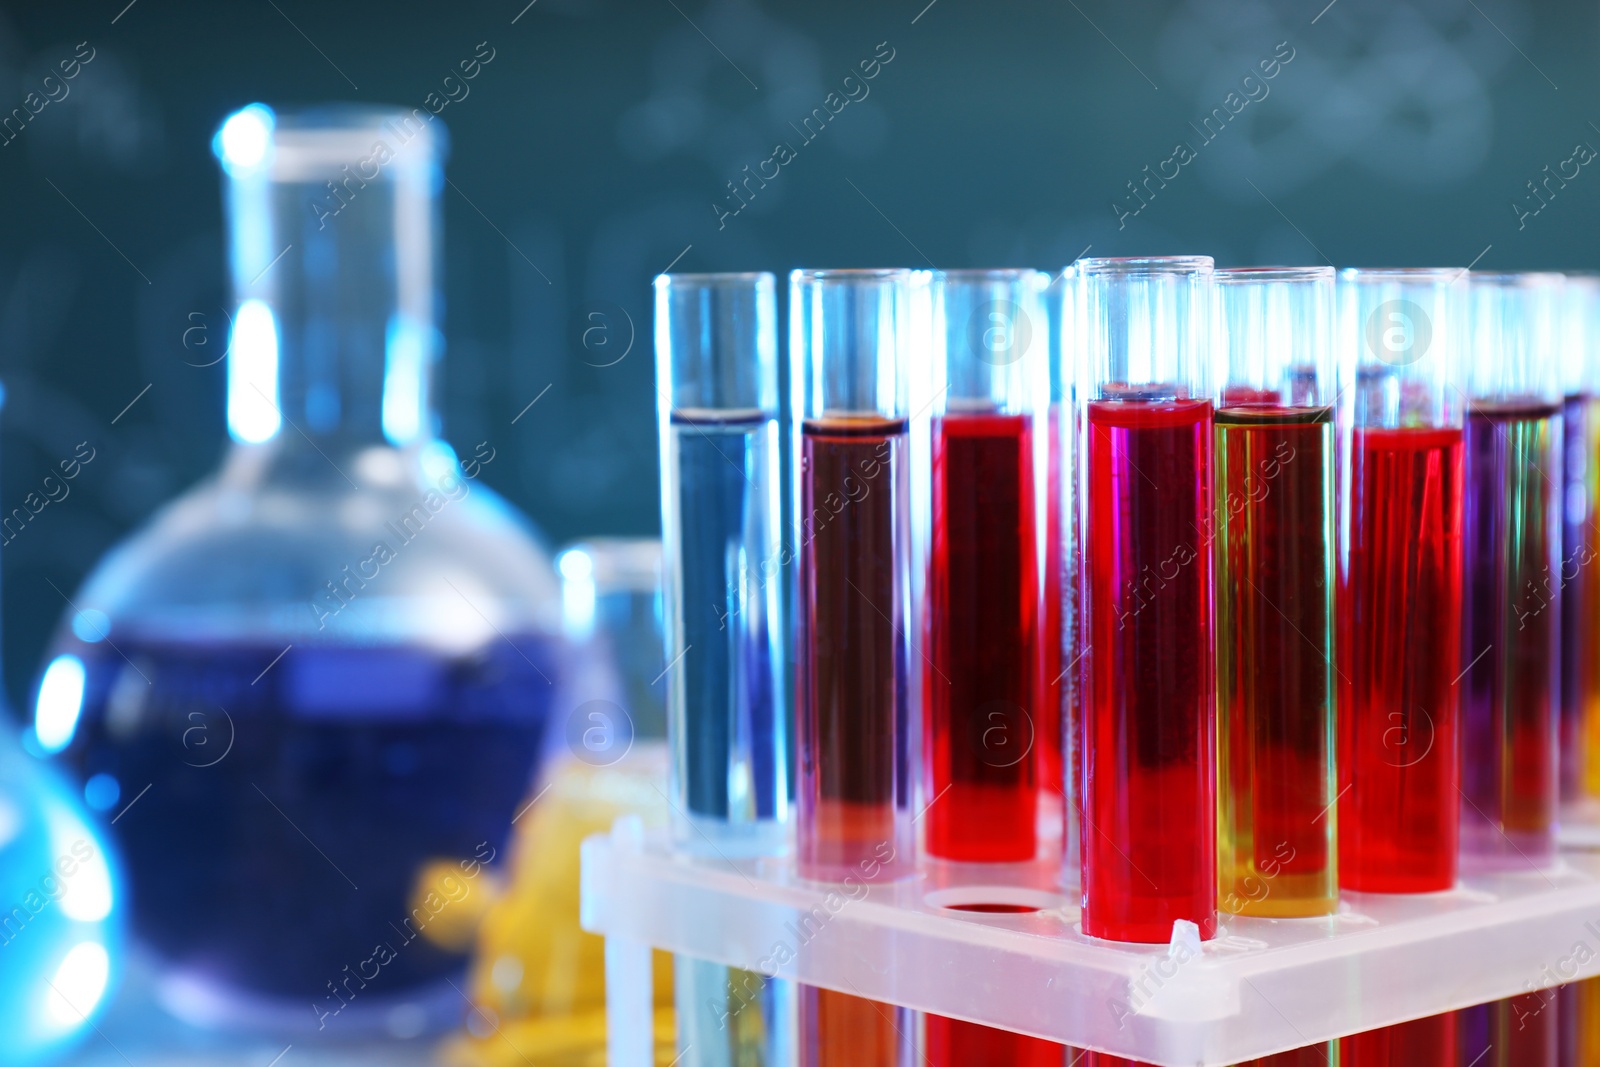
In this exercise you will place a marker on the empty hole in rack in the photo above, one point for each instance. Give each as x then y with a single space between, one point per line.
995 900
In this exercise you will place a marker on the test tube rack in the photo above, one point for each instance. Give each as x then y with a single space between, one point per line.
1001 947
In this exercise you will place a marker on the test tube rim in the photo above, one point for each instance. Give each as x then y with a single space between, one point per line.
1145 266
1419 275
841 275
324 136
985 274
1238 275
1510 279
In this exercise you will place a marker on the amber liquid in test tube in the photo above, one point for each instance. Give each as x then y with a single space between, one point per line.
1274 542
1146 652
986 727
1399 595
849 334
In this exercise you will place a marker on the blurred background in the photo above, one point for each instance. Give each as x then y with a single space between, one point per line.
602 142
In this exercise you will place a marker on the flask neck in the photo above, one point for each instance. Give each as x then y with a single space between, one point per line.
332 236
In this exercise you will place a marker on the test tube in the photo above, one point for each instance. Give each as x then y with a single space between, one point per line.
1580 538
1274 557
1519 1031
1426 1042
1146 654
849 358
1578 1007
1511 603
717 373
987 705
989 460
1062 757
1400 418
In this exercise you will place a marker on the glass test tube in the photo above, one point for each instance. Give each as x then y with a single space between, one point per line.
1400 417
1520 1031
984 684
1580 537
985 561
717 374
849 359
1146 652
1274 556
1060 570
1425 1042
1578 1006
1511 600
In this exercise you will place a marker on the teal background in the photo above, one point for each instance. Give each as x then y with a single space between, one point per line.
589 154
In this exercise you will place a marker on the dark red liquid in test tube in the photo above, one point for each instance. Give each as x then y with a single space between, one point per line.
983 597
1322 1055
1510 694
1149 809
1428 1042
853 669
1521 1031
852 678
852 707
953 1043
1399 614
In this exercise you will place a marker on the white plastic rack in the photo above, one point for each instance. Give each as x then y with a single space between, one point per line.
1005 950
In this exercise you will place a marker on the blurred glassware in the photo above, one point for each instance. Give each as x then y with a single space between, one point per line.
60 924
538 980
612 615
318 682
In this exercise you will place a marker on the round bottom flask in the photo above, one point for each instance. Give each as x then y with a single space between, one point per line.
318 683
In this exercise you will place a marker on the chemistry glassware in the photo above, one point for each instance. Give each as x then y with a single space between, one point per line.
1274 552
721 515
849 357
1512 593
320 678
1060 617
983 687
1579 341
60 910
1149 698
1399 423
717 381
988 704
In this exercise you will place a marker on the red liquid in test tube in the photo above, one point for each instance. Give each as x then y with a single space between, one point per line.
1149 836
983 603
1400 576
1145 656
1400 612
